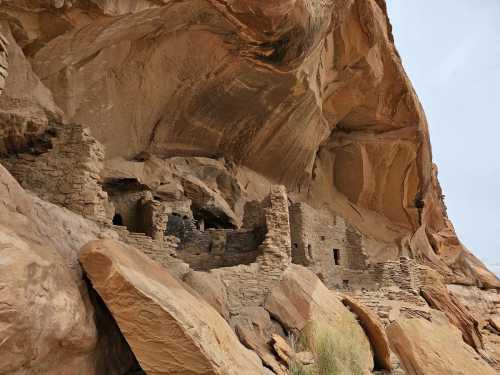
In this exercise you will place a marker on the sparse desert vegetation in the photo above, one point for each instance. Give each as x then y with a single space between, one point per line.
335 350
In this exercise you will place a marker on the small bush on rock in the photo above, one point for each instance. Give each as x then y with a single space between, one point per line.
335 351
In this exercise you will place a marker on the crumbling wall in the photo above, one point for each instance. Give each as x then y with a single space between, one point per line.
249 285
355 255
401 274
390 289
153 217
162 251
67 174
126 206
215 248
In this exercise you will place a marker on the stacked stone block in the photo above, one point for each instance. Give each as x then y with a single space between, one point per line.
67 174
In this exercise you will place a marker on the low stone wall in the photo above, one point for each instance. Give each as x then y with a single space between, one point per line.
216 248
402 274
67 174
162 251
390 288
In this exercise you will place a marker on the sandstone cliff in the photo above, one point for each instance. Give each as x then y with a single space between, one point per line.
169 125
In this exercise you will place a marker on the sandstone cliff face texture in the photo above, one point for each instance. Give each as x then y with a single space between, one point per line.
250 160
47 318
438 352
309 94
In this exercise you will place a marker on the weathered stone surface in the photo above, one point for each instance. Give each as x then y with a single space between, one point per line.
374 330
67 173
38 315
254 328
495 323
283 349
434 348
169 329
26 105
301 298
314 97
210 104
211 288
208 201
437 296
46 316
249 285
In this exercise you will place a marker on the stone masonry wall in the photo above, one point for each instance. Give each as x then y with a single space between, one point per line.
249 285
215 248
315 235
390 289
162 251
67 174
401 274
329 246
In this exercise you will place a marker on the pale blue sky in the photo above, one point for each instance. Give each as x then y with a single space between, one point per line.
451 51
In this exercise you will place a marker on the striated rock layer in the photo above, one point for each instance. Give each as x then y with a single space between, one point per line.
46 314
434 348
312 95
235 137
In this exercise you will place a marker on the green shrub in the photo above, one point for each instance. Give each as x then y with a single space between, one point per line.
335 350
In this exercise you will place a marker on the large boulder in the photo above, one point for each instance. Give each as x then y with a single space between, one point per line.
311 96
212 289
434 348
374 330
170 329
47 324
437 296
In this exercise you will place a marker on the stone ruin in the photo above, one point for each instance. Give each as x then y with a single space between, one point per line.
65 169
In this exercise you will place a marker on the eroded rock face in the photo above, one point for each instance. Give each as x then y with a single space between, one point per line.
255 330
428 348
169 329
211 288
207 105
374 330
46 314
311 95
438 297
37 314
26 105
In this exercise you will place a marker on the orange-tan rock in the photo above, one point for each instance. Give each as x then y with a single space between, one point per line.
434 348
169 329
198 109
438 297
46 316
255 330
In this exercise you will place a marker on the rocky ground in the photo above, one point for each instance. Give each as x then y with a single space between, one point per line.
225 187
